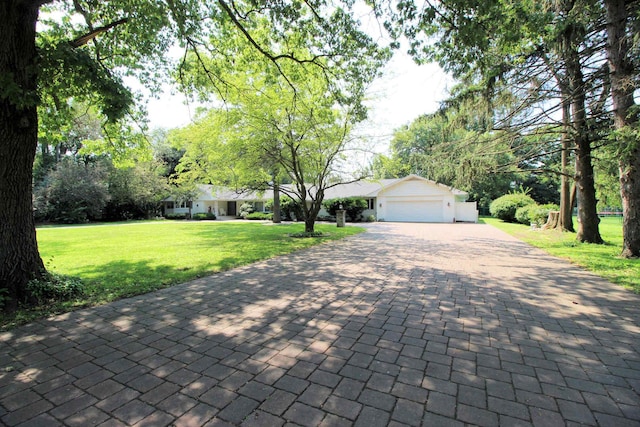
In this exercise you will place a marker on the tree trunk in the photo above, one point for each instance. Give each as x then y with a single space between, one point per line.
588 230
19 257
622 73
310 215
310 211
630 193
574 196
565 220
309 225
553 221
276 202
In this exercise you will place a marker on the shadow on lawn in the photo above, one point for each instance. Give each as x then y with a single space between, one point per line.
128 278
400 314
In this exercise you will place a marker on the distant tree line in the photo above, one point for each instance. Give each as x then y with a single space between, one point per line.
72 187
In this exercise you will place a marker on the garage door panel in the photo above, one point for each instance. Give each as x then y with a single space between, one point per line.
414 211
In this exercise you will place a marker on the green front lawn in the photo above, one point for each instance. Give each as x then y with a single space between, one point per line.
603 260
120 260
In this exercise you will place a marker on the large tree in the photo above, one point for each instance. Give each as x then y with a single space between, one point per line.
90 45
271 129
455 147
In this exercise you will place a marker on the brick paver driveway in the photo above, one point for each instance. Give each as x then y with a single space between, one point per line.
432 324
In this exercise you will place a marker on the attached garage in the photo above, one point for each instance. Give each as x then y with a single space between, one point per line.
415 199
408 199
414 210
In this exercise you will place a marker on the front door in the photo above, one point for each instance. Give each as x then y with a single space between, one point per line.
231 209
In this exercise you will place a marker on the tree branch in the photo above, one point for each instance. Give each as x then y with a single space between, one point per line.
82 40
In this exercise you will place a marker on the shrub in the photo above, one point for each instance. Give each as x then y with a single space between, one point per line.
54 288
245 209
75 192
535 214
175 216
523 214
505 207
540 214
371 218
202 215
353 205
289 209
259 216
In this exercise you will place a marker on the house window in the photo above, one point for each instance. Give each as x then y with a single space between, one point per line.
185 205
258 206
371 204
169 205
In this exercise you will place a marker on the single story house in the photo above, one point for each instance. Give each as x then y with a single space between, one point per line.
408 199
220 201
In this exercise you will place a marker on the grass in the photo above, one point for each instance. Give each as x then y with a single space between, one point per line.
121 260
603 260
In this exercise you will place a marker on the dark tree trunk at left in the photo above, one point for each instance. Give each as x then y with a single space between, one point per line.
19 257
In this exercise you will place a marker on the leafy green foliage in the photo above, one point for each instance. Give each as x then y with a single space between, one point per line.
289 208
354 206
282 120
74 74
259 216
385 167
541 58
203 216
607 179
52 288
245 209
74 192
451 147
175 216
135 192
80 189
535 214
523 214
505 207
543 188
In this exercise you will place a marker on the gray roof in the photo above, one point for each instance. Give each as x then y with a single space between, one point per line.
365 188
211 192
358 189
372 188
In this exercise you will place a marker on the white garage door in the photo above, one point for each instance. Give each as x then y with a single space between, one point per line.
414 211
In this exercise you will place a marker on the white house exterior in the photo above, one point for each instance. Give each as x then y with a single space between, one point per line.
220 201
408 199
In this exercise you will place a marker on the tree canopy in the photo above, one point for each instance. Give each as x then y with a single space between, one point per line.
277 124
